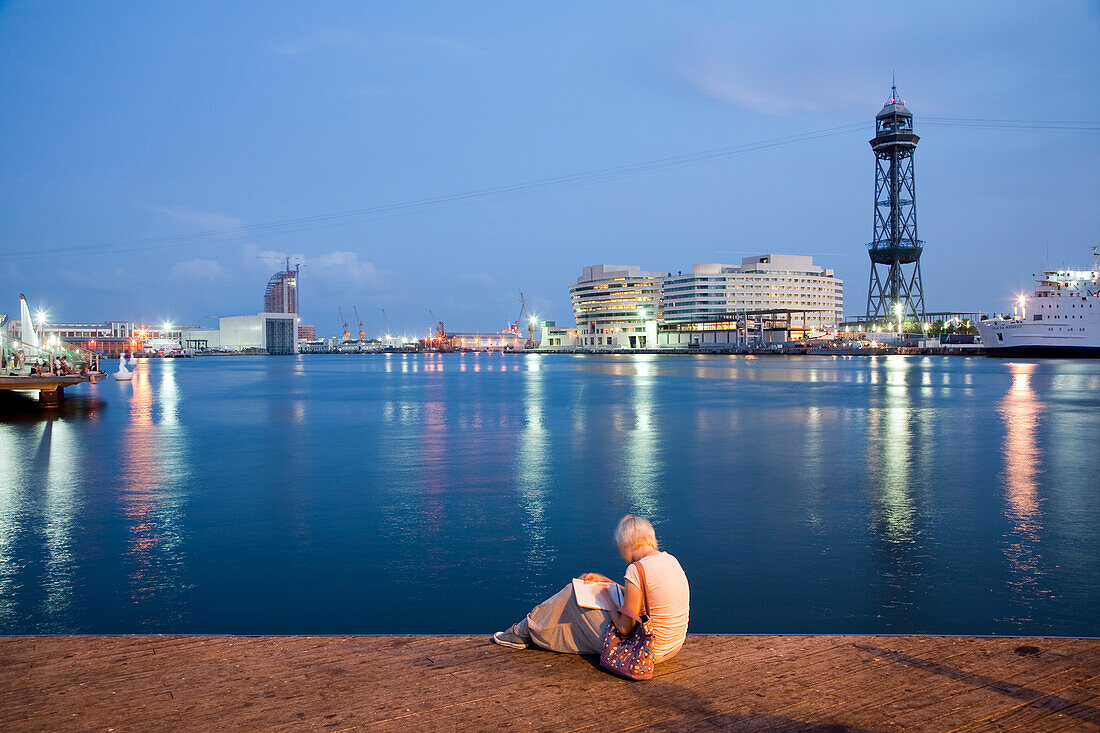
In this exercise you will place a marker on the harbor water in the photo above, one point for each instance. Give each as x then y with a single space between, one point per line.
436 493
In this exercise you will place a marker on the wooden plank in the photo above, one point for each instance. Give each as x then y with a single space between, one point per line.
771 694
335 683
961 685
1068 704
728 686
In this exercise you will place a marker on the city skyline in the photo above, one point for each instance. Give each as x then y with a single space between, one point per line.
261 127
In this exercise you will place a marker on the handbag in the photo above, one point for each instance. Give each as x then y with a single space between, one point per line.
630 656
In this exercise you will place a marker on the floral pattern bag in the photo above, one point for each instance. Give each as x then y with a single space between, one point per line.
630 656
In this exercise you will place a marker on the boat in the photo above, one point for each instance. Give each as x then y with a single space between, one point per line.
1061 318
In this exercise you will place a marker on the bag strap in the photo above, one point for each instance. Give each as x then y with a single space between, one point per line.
645 596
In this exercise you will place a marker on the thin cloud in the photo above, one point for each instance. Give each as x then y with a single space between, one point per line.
202 220
348 267
199 270
479 278
338 267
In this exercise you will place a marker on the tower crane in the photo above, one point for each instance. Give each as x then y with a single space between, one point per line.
347 334
362 333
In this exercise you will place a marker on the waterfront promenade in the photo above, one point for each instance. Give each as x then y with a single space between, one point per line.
808 683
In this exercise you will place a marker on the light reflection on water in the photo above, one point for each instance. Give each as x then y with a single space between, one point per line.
641 467
59 520
153 468
892 426
353 493
1021 412
532 468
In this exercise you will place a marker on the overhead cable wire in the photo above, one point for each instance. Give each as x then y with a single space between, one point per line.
537 186
521 189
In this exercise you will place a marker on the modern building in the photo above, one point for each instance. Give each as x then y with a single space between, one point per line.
112 338
553 337
269 333
762 283
616 306
307 333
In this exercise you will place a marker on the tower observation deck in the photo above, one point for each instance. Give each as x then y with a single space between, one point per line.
895 291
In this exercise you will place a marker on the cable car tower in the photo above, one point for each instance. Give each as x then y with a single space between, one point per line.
895 291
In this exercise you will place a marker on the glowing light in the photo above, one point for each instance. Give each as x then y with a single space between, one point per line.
40 316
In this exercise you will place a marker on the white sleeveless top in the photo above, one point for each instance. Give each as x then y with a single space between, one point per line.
669 602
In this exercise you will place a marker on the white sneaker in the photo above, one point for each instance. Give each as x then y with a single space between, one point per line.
511 640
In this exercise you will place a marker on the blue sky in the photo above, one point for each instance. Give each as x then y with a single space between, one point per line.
127 127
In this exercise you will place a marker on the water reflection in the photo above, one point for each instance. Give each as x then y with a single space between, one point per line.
900 505
893 511
59 523
893 424
813 453
1021 412
532 470
154 470
642 466
15 467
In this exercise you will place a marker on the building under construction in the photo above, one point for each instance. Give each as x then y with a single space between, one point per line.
281 295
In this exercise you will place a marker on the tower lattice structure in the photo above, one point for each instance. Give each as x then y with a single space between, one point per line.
895 285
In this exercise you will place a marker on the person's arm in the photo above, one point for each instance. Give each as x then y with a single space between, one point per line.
594 578
632 602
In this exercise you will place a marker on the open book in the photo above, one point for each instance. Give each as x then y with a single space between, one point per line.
608 596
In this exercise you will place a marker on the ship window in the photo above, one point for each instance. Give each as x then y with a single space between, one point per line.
1038 317
1000 337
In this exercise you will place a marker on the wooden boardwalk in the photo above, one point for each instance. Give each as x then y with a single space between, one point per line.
50 388
805 683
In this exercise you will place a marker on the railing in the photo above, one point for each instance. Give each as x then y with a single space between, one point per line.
17 357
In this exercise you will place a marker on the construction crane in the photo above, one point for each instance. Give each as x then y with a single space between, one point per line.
525 317
362 333
437 333
298 265
389 331
347 333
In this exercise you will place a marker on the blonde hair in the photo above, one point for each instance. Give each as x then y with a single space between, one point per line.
634 531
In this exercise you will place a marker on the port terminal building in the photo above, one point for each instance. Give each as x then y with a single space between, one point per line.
111 338
809 293
766 299
267 333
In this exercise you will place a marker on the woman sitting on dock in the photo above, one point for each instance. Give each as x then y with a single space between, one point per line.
560 624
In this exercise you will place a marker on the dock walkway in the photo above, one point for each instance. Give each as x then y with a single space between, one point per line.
806 683
50 388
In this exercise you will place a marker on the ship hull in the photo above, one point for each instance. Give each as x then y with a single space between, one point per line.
1045 352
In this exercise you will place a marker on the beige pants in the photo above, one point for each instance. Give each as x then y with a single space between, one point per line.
560 625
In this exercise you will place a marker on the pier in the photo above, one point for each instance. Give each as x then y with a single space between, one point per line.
50 389
806 683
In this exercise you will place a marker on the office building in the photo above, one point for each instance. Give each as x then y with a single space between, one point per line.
614 305
768 282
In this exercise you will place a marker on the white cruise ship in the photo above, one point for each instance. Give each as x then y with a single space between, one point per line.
1061 318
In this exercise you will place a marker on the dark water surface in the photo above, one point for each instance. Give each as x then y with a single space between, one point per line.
448 493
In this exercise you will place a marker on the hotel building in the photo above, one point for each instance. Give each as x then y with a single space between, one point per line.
616 306
764 282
